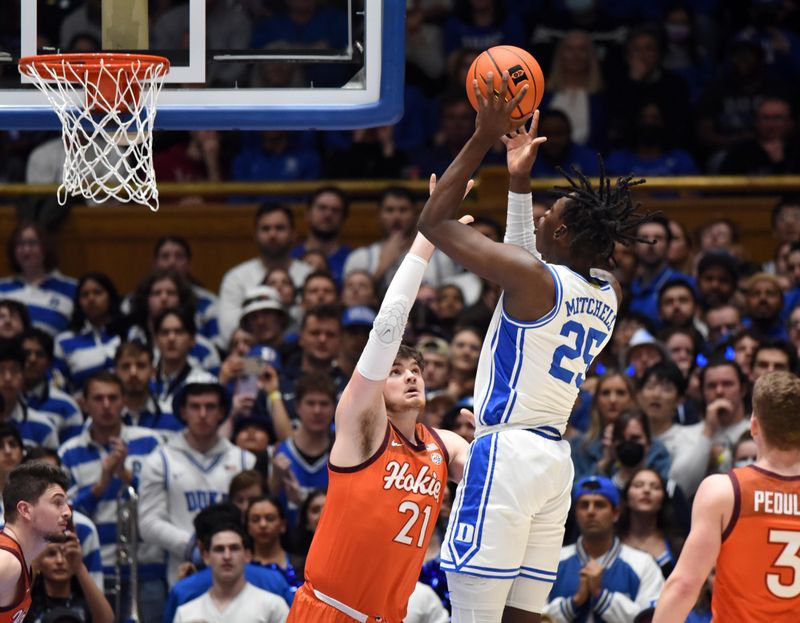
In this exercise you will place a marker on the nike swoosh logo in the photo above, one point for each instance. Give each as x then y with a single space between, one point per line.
396 443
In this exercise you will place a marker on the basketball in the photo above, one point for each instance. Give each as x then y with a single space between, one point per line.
522 69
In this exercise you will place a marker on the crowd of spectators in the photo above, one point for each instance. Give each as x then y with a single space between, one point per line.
216 405
195 398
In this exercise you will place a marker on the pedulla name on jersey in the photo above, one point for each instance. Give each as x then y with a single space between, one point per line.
776 503
593 307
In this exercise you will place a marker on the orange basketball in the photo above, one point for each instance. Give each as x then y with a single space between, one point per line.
522 69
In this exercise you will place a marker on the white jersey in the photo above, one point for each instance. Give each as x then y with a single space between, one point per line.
176 483
529 372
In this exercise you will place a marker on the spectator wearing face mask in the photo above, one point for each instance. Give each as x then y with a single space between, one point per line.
745 452
632 447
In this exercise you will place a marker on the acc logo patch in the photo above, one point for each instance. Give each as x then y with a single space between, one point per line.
436 458
517 74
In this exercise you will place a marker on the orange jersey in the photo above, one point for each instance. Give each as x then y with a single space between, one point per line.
16 612
758 567
376 524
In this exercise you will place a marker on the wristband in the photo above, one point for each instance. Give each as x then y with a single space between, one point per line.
274 395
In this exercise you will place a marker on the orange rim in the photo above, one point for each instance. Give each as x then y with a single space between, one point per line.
67 66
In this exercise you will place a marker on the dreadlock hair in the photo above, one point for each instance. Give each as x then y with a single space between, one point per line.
600 217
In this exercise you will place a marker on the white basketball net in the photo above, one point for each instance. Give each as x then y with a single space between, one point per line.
107 131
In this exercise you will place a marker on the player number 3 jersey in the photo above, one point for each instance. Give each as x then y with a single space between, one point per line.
758 568
376 525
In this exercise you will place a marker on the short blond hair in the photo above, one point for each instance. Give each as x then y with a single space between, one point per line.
776 405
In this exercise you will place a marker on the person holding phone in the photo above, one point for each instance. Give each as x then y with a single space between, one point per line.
256 393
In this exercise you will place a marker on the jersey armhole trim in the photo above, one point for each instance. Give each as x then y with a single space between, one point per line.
439 441
356 468
24 577
532 324
737 505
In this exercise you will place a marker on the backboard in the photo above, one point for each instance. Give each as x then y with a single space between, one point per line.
235 64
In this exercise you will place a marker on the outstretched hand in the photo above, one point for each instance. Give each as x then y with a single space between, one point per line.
522 146
421 246
494 113
432 185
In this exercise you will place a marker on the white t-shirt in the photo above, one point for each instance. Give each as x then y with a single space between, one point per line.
424 606
251 605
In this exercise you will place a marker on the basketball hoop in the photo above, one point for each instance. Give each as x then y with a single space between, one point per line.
107 105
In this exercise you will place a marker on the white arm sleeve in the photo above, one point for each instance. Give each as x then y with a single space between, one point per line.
387 331
519 223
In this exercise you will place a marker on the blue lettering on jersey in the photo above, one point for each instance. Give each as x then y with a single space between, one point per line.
593 307
198 500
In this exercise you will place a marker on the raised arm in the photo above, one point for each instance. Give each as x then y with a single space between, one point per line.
711 512
521 149
361 413
508 265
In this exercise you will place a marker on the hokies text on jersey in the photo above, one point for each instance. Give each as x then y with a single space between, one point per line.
426 482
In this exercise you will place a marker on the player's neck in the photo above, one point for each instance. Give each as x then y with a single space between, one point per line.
32 544
783 462
406 423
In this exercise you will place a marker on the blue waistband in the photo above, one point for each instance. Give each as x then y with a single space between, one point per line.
548 432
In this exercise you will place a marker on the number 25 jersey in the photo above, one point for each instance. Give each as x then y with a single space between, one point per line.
376 524
529 372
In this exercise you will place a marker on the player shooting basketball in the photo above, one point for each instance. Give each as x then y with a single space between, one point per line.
387 474
503 541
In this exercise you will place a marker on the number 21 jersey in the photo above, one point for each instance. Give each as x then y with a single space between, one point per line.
529 372
376 525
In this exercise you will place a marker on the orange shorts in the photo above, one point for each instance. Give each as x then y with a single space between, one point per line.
306 608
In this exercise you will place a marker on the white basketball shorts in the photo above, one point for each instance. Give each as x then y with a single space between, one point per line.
510 508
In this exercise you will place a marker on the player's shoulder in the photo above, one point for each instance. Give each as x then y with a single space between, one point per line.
717 487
